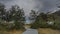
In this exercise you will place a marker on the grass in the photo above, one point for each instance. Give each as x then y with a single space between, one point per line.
47 31
11 32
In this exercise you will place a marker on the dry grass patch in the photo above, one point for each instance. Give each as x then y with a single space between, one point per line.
47 31
11 32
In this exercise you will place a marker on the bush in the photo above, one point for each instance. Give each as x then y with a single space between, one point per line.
12 26
56 26
39 25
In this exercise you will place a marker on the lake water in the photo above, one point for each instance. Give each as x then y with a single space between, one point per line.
30 31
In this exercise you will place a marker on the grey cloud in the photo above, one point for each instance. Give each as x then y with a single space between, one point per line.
26 4
41 5
49 5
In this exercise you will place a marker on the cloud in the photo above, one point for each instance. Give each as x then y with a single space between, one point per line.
27 5
49 5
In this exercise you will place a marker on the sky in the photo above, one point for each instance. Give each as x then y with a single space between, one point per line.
38 5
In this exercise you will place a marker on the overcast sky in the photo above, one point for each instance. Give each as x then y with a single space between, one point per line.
27 5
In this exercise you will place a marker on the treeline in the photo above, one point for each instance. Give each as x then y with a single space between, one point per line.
13 18
45 20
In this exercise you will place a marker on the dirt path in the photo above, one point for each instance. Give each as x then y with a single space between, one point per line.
31 31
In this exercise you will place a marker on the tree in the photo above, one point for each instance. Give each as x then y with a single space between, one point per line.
33 15
17 15
2 11
40 21
13 14
44 16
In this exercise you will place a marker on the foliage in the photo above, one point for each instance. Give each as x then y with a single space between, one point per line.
42 19
33 15
13 14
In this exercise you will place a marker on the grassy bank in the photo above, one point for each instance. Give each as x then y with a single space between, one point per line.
47 31
11 32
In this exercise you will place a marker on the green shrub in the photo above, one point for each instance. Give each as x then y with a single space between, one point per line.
42 24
